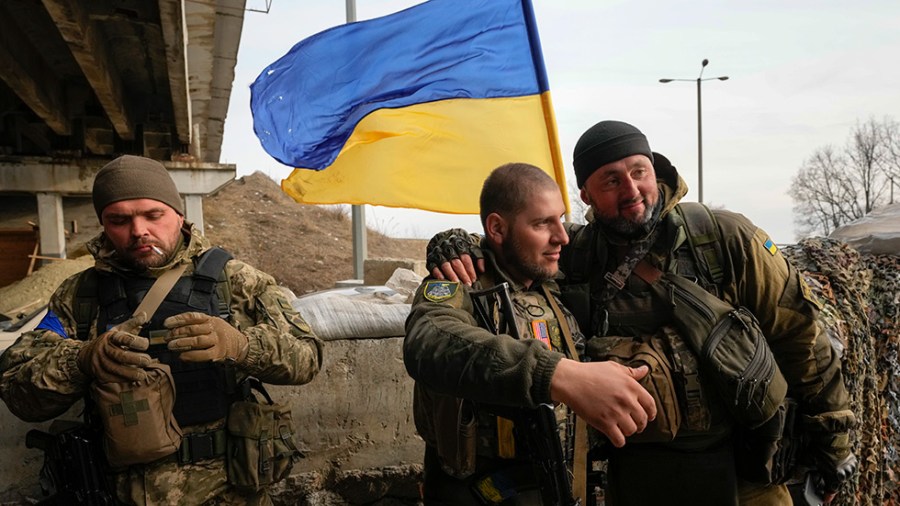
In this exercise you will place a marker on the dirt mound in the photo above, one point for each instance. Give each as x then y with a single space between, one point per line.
306 248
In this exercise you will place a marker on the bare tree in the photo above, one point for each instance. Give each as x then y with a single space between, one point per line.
868 154
836 187
892 163
824 197
577 208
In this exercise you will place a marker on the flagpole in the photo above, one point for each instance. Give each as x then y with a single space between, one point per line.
357 212
547 105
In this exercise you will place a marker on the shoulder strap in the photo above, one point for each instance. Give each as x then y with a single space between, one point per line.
579 460
576 257
161 287
209 275
86 303
704 239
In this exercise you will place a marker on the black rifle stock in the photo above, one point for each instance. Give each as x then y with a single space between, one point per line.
73 472
538 426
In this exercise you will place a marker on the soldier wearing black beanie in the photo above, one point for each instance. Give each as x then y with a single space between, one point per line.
607 142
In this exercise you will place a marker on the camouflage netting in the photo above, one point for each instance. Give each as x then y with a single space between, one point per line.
861 298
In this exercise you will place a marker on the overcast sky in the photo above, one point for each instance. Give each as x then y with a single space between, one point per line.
801 75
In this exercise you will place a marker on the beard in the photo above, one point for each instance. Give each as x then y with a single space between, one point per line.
144 262
629 228
522 266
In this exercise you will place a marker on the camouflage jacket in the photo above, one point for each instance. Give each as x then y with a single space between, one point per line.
40 379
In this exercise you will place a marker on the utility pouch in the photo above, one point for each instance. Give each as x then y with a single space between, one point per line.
732 349
138 424
260 444
456 431
659 382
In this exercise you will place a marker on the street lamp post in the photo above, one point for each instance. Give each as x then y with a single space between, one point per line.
699 80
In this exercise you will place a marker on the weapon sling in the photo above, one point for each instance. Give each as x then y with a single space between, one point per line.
579 461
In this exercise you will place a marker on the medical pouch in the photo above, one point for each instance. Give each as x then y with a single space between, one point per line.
733 352
138 423
260 444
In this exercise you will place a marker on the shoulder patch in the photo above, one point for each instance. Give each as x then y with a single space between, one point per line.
770 246
439 291
51 322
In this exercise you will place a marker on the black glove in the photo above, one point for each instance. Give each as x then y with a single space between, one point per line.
834 473
450 244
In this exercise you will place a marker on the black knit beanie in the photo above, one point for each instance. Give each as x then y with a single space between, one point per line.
607 142
135 177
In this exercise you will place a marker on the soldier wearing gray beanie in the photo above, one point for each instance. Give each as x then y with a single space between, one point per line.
131 177
607 142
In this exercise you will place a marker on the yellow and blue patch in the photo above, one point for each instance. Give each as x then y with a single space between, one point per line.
770 246
439 291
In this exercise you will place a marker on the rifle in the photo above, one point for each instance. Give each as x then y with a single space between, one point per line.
539 427
73 471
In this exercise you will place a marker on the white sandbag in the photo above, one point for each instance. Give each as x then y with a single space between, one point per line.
354 313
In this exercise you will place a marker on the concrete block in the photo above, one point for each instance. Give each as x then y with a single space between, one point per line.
378 270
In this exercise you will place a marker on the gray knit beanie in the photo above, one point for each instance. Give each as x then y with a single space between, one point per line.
135 177
607 142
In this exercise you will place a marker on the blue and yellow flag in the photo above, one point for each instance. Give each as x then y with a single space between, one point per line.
413 109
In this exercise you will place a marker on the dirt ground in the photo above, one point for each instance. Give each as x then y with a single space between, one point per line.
306 248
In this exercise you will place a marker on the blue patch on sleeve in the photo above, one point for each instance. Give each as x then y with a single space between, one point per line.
51 322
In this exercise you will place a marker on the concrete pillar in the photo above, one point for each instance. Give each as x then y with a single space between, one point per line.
52 227
193 210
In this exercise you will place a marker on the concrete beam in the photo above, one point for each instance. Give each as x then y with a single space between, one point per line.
51 225
29 77
91 53
174 31
190 178
193 211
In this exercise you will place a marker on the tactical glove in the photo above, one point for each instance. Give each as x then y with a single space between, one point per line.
448 245
203 338
829 446
112 357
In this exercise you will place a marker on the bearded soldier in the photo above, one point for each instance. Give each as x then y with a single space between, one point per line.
476 358
616 269
218 322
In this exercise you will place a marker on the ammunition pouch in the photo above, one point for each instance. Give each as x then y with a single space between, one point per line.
732 350
138 424
260 442
659 381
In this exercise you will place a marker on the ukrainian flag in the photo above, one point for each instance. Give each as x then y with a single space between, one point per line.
413 109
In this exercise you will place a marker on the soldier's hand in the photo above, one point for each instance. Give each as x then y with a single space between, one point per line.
607 395
113 356
453 255
203 338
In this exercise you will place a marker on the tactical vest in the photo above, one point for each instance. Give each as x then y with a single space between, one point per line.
533 319
203 390
634 311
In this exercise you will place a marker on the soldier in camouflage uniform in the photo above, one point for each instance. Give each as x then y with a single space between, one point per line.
144 235
634 227
461 369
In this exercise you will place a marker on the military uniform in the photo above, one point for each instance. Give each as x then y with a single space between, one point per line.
461 368
41 379
755 276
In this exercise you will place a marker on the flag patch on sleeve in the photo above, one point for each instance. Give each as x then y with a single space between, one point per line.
770 246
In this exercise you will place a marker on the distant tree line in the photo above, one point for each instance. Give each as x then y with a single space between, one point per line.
837 185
